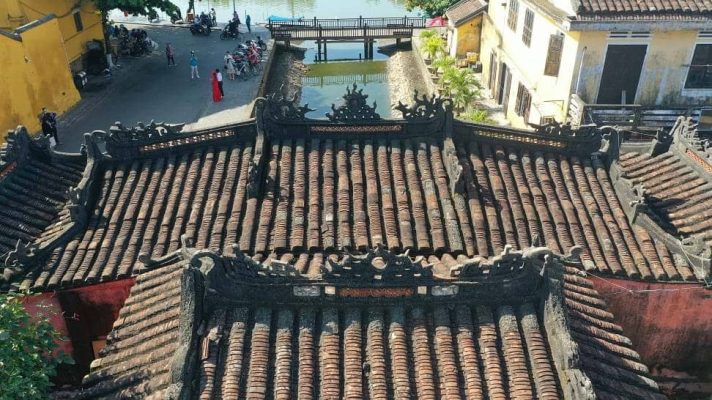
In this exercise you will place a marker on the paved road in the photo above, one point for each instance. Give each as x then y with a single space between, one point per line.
146 89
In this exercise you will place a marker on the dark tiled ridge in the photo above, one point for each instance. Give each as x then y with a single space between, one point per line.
321 195
679 197
33 199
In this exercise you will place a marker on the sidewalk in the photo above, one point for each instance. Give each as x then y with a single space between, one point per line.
146 89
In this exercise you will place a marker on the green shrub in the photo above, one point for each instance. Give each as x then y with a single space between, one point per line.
477 115
27 361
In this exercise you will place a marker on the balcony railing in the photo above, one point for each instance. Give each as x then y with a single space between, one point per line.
639 121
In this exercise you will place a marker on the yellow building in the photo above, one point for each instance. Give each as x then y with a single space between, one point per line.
537 54
42 42
464 20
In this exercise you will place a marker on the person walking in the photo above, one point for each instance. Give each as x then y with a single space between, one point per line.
213 17
48 120
231 69
170 52
248 20
216 87
219 77
194 66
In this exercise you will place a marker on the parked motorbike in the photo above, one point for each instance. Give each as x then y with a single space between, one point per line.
228 34
200 29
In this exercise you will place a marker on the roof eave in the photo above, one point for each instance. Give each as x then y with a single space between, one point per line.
614 22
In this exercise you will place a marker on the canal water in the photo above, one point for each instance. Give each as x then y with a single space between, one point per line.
325 82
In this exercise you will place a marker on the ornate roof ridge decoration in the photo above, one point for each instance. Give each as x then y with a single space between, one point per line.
423 108
510 261
689 142
118 133
283 108
18 144
555 128
354 109
17 261
362 268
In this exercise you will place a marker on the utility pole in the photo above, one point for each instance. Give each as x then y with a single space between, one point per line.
233 6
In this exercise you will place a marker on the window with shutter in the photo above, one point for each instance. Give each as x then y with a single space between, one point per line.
523 102
528 24
513 14
699 76
553 56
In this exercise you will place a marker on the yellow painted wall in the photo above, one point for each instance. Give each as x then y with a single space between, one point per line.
75 42
468 36
35 75
664 68
11 14
550 95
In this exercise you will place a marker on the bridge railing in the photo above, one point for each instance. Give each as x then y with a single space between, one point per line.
308 33
349 23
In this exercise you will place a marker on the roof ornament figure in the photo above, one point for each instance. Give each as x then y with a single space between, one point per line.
355 108
15 260
555 128
508 261
362 267
17 144
119 133
424 108
284 108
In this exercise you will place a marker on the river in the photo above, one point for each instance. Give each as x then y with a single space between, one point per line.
259 10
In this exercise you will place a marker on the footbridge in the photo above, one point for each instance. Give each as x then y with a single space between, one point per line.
345 29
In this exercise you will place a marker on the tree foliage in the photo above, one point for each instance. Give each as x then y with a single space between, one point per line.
433 47
26 346
430 7
140 7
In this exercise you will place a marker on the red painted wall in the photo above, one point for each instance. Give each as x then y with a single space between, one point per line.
670 324
47 304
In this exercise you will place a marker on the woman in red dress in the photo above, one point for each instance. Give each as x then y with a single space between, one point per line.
216 88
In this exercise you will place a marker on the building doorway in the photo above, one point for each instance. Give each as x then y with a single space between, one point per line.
621 73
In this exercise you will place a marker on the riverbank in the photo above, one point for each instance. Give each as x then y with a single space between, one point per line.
404 77
288 71
402 74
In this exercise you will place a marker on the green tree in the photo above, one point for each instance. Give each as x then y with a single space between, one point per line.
433 46
430 7
443 63
461 85
26 347
139 7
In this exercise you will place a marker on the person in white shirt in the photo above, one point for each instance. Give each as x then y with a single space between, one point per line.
220 81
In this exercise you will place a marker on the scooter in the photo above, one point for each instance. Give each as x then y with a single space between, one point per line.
200 29
228 34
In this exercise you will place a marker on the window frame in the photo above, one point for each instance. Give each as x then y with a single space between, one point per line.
528 28
552 65
707 68
78 23
523 103
513 14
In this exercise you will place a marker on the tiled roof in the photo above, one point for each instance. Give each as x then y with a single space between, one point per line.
602 9
321 196
472 349
137 358
33 197
679 197
463 10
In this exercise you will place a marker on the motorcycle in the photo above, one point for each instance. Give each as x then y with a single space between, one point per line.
228 34
200 29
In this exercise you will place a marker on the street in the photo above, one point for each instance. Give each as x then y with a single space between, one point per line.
146 89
